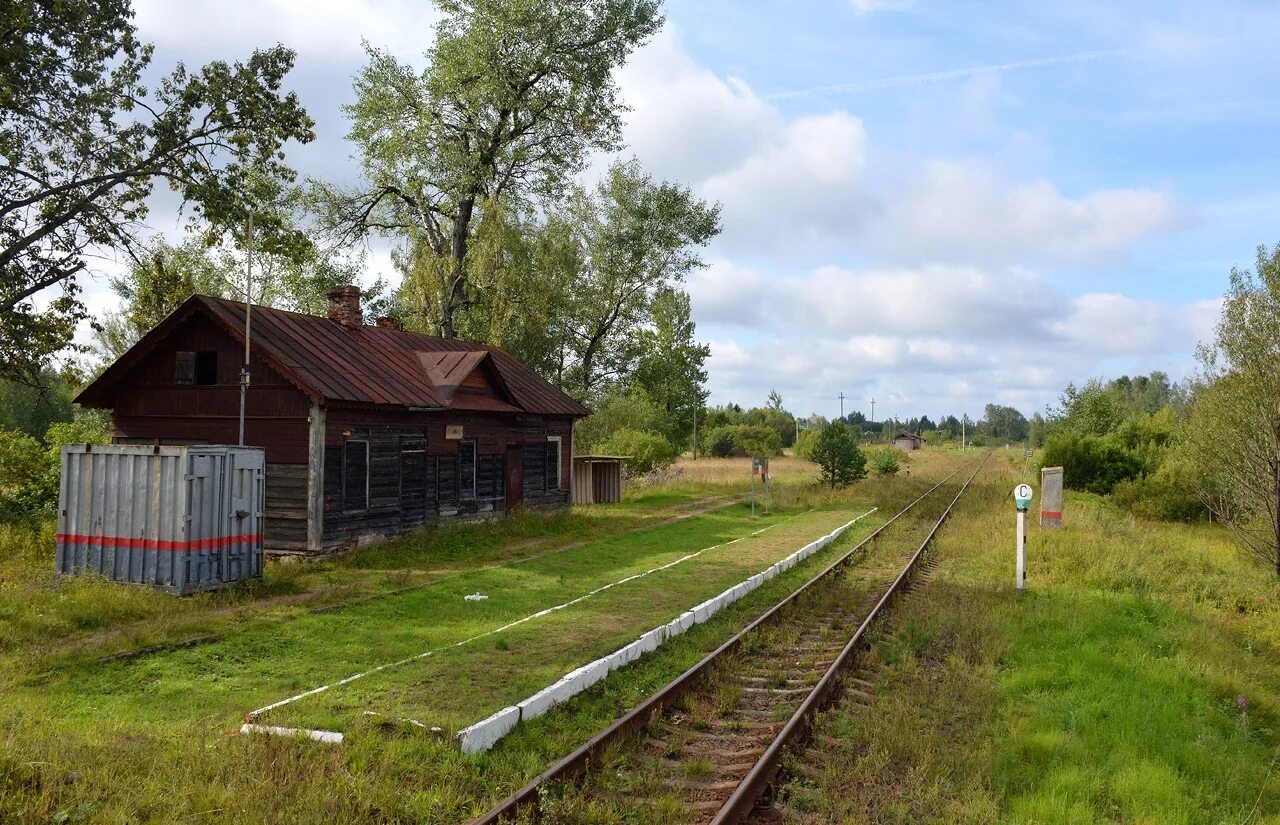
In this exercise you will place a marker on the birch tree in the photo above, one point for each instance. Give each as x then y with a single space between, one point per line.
1234 434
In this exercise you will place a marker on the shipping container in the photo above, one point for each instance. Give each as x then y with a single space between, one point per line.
183 519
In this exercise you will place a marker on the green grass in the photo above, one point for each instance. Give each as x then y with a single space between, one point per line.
47 618
154 740
1107 693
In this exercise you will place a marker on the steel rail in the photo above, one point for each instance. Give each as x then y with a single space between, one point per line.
743 799
577 763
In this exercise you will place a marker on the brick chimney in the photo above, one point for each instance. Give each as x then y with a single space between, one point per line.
344 306
387 322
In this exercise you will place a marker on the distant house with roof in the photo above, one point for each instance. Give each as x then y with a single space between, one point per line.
907 441
369 430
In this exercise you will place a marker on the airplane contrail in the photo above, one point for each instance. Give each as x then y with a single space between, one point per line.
950 74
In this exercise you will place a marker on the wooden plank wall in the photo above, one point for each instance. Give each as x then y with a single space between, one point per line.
284 520
408 489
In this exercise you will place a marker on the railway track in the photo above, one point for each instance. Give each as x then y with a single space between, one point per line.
707 747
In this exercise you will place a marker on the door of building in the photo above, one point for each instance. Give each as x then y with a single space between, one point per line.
515 475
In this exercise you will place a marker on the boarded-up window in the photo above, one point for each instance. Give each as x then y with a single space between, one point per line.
467 470
447 481
413 469
553 464
355 476
184 368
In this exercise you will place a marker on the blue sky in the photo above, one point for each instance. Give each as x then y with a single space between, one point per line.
939 204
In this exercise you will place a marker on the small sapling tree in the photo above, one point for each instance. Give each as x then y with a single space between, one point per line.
886 462
838 456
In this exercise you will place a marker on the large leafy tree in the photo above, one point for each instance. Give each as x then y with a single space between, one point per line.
632 239
517 274
159 280
83 143
672 368
1234 433
999 421
518 93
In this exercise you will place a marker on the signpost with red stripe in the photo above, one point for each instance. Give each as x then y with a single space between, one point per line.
1050 498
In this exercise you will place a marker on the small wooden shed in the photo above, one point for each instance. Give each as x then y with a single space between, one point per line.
597 479
907 441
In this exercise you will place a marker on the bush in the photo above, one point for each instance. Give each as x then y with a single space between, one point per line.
647 451
720 442
630 411
806 444
1168 494
1092 463
28 490
886 462
759 441
740 440
839 457
29 470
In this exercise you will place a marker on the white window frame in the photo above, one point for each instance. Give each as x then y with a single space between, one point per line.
559 442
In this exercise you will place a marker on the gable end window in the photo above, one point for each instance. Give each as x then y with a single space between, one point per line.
198 368
355 476
184 368
552 464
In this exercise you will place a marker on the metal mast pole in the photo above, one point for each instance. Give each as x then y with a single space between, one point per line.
248 317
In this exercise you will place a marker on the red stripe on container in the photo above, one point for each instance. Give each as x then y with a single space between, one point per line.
1050 514
159 544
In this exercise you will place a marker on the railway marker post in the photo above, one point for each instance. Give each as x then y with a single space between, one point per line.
1022 498
759 467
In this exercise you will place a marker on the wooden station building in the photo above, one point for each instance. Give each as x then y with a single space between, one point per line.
369 430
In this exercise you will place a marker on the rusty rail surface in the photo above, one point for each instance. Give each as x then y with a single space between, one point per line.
757 781
580 761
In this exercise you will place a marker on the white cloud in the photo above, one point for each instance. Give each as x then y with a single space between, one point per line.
927 339
979 304
964 211
799 189
783 184
1110 324
311 27
686 122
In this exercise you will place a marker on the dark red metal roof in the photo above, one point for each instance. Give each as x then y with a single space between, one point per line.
366 365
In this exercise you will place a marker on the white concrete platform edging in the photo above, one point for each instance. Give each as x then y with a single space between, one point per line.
487 732
329 737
